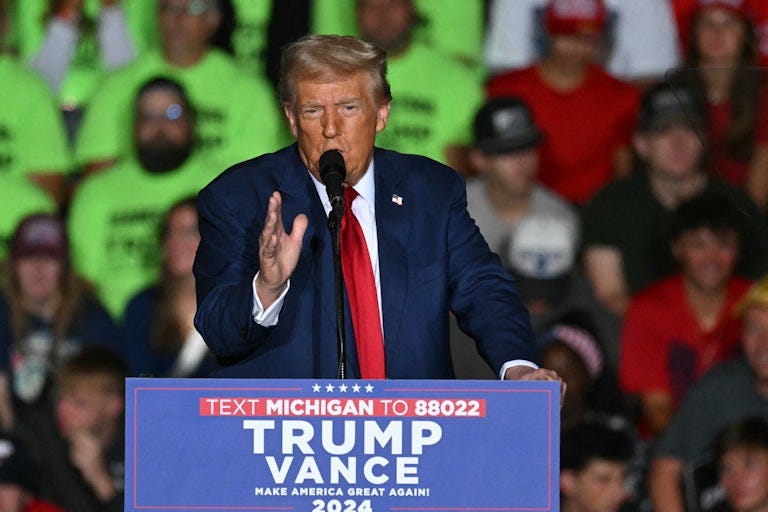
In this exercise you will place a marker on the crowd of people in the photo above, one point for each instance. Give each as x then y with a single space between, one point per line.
616 159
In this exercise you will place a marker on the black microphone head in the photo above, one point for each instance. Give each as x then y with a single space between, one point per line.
332 162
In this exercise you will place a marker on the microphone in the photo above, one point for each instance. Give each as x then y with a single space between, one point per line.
332 174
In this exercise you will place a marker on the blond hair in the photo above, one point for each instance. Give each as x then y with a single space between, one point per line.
757 296
330 58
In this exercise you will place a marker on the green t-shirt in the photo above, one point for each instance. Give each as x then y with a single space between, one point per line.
19 198
454 26
32 136
237 116
434 99
250 35
114 225
86 69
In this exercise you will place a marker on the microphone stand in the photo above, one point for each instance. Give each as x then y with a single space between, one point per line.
334 225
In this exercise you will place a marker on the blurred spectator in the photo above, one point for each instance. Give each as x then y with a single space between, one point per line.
455 27
429 117
506 157
160 338
642 42
729 392
594 467
19 479
79 446
679 327
237 115
46 315
741 452
19 198
758 10
586 115
72 43
626 225
570 347
115 215
720 69
33 144
249 34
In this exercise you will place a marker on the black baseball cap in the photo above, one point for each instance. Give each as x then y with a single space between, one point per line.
505 125
664 106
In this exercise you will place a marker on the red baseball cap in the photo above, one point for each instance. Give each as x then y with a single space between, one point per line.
40 235
738 7
576 17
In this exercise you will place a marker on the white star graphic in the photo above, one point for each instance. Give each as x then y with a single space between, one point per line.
368 388
356 388
316 388
329 387
343 388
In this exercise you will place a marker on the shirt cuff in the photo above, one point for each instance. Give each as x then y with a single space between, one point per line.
267 317
516 362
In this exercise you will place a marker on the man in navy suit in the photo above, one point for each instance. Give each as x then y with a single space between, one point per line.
266 294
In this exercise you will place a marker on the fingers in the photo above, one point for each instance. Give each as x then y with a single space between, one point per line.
299 227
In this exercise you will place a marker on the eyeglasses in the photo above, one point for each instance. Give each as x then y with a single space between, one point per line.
194 8
173 113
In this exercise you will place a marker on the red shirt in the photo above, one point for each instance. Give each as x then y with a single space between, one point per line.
583 128
663 347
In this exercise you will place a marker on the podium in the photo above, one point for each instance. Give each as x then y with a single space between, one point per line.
341 445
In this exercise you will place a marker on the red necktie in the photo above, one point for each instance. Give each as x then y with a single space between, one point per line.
361 289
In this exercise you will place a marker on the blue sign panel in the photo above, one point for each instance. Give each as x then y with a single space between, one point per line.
341 446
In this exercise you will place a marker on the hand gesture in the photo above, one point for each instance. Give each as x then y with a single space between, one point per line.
278 251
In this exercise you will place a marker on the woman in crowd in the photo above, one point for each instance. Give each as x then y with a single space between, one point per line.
160 337
47 313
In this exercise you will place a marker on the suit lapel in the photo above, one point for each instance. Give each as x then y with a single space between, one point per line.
393 226
316 259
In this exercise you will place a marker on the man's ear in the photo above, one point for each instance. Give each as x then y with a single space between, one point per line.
382 116
290 114
640 143
478 161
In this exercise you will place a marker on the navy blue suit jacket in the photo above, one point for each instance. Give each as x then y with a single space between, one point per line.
432 260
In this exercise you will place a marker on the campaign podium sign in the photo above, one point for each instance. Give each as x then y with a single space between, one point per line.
341 445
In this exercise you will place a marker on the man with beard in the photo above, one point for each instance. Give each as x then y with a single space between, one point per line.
114 217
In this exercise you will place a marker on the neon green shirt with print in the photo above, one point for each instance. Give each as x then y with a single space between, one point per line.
19 198
434 99
86 69
454 26
249 38
32 136
237 115
114 225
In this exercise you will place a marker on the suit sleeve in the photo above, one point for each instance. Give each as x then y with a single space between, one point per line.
483 295
226 262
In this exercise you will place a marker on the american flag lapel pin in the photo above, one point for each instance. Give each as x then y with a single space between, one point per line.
397 200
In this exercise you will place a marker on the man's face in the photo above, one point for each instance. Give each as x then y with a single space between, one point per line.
707 258
599 487
672 152
513 174
744 475
163 131
386 23
84 406
186 25
342 115
754 341
576 48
